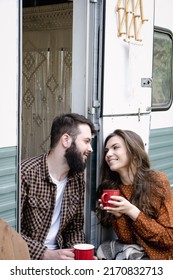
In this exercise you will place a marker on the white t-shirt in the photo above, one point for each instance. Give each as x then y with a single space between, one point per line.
50 241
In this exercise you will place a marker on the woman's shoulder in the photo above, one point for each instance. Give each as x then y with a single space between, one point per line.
164 183
158 175
161 176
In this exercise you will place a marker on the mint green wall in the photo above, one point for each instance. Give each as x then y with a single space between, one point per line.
161 150
8 185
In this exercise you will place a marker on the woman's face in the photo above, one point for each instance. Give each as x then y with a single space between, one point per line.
116 154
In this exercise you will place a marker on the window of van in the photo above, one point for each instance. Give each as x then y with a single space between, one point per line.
162 70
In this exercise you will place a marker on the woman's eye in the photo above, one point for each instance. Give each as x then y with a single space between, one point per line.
115 147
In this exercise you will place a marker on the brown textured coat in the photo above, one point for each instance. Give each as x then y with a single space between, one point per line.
154 235
12 245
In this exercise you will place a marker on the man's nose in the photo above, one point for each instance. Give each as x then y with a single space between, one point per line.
90 149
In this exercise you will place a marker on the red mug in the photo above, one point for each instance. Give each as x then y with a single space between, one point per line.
84 251
106 195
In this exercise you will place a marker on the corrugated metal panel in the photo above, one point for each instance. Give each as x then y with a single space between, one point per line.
8 184
161 150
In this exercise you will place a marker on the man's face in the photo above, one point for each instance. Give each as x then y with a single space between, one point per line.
77 154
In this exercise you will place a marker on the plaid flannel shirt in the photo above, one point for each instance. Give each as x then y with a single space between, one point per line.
38 195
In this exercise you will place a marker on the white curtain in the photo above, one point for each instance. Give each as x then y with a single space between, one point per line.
47 72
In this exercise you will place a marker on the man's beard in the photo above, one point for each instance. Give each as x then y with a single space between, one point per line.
74 159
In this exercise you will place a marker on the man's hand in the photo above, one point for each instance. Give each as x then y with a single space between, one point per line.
60 254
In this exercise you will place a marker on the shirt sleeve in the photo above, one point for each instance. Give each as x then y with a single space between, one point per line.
74 232
36 249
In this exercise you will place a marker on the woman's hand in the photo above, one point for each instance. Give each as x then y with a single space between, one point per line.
100 204
120 206
116 214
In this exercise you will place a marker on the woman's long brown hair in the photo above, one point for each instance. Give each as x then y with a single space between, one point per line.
146 185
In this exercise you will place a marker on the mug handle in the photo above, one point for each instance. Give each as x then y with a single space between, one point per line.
103 197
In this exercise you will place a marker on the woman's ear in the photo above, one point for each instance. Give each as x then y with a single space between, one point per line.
66 140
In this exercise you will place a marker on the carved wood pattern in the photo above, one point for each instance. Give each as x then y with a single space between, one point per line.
131 17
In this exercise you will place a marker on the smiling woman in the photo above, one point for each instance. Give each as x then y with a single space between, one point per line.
140 210
117 158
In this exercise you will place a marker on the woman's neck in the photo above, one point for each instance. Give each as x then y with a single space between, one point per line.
127 177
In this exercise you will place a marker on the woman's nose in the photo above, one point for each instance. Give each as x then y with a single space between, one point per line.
109 153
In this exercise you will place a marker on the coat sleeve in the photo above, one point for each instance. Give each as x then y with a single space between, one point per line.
12 245
157 233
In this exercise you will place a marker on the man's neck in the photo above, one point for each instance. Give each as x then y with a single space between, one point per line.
57 167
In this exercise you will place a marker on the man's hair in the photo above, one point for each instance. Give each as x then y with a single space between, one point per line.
68 123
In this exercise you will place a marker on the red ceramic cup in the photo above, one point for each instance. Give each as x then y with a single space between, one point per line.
84 251
106 195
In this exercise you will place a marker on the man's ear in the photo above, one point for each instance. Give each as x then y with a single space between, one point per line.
66 140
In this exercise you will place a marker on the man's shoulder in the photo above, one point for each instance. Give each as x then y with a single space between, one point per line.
32 163
77 181
77 176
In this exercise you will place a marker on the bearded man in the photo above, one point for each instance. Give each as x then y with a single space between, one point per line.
52 190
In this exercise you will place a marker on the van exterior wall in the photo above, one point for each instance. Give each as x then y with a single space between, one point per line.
9 117
161 129
9 72
161 151
8 185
